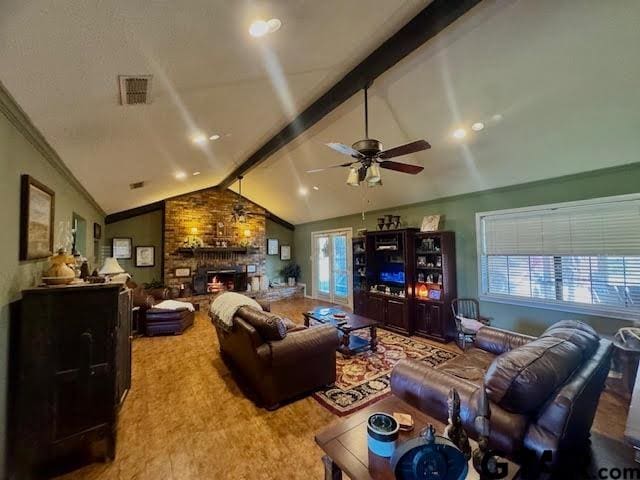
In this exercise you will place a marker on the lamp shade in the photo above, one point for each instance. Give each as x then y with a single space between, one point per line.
110 267
352 179
373 174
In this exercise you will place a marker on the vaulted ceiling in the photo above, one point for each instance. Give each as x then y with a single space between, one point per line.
555 84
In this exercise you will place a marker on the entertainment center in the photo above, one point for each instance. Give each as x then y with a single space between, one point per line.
406 279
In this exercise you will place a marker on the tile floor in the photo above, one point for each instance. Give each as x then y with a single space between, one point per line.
185 418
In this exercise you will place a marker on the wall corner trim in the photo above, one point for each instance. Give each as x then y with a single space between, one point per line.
21 121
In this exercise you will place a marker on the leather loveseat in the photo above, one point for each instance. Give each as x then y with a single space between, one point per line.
277 358
543 391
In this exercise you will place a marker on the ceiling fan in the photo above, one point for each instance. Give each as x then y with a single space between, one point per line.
369 157
239 212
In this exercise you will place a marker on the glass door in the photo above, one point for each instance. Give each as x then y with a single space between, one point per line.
331 266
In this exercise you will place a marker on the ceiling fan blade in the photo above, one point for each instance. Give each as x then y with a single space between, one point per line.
345 150
348 164
401 167
406 149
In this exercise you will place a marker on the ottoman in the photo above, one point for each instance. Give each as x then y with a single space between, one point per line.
162 321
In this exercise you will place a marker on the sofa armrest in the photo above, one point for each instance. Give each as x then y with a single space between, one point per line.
426 388
498 341
265 304
299 346
161 293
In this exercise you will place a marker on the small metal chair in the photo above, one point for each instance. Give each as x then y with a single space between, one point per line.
467 308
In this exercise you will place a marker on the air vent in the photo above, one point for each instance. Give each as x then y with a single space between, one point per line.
135 89
133 186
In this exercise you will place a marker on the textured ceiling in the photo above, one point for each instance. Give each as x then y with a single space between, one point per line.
562 76
60 60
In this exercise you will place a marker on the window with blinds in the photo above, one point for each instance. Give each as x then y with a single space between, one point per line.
579 256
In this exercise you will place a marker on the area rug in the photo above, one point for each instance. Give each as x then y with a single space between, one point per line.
364 378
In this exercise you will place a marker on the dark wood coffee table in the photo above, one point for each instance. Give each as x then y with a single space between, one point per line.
349 344
345 444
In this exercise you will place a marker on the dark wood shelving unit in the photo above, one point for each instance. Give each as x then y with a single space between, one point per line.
435 272
360 285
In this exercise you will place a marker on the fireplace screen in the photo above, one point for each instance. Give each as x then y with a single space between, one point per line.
220 279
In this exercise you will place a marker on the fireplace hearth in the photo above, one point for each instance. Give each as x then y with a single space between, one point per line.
210 279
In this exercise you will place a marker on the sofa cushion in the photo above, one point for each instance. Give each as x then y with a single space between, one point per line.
270 327
524 378
578 333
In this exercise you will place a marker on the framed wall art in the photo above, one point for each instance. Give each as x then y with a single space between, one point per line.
121 247
252 268
97 231
145 256
37 207
272 246
182 272
285 252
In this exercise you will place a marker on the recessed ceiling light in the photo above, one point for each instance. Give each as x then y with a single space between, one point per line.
180 175
195 173
315 187
199 138
260 28
496 118
476 127
459 133
215 136
303 191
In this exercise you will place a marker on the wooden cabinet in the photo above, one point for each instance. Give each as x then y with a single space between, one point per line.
392 313
429 320
71 361
395 314
376 308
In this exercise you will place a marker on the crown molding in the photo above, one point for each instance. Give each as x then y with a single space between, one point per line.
21 121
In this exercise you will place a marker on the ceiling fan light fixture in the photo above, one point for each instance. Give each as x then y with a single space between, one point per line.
373 174
352 179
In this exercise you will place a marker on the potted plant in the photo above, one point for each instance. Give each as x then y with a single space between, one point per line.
291 272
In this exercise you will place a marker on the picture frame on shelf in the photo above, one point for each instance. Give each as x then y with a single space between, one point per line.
122 248
252 268
182 272
97 231
37 208
285 252
435 294
273 246
430 223
145 256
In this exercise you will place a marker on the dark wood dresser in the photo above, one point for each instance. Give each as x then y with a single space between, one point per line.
71 370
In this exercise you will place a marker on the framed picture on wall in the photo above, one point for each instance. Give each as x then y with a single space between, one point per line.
285 252
121 247
252 268
37 203
145 256
272 246
182 272
97 231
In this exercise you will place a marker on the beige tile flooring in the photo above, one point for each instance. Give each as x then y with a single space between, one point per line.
185 418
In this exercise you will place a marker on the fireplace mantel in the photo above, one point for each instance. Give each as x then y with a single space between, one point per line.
197 250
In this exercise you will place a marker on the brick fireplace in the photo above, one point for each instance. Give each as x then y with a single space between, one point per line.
206 214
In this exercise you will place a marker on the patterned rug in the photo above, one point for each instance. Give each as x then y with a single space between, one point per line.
364 378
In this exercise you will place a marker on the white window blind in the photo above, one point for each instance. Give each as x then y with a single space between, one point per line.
581 256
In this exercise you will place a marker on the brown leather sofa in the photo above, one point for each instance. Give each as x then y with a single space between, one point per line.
543 391
277 358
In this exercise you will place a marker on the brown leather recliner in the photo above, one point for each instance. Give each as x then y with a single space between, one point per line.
543 391
276 357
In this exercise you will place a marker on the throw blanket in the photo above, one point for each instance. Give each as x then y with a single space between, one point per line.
225 306
174 305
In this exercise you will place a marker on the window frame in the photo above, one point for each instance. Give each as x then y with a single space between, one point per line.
556 305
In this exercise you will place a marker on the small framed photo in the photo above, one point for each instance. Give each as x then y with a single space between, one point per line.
285 252
430 223
97 231
145 256
272 246
435 294
37 203
252 268
182 272
122 247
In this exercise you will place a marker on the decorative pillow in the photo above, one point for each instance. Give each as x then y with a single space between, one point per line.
524 378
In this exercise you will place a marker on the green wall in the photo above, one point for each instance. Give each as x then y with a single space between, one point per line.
22 150
144 230
285 237
459 216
